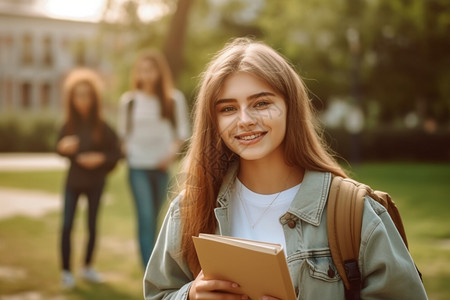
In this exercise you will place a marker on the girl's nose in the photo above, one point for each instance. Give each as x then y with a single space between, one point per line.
246 119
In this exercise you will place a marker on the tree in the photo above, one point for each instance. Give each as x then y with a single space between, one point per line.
402 63
175 39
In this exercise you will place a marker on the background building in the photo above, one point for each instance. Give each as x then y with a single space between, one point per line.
36 51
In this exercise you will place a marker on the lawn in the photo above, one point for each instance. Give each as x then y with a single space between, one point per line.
29 246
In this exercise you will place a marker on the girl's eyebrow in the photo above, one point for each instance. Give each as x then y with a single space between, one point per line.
249 98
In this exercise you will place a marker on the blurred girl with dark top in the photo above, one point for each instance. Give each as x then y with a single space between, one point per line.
93 150
153 124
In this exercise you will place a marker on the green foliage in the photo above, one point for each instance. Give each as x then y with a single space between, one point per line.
37 131
28 132
393 52
388 144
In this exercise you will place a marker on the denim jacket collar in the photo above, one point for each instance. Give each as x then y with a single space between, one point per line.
311 198
227 184
309 202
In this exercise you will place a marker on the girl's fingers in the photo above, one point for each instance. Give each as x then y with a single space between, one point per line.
220 296
215 289
221 285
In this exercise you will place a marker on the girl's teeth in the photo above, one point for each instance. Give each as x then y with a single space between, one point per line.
250 137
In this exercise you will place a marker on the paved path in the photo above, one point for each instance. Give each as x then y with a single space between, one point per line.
31 162
28 203
14 202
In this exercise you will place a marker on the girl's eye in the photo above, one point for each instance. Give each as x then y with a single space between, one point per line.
262 104
227 109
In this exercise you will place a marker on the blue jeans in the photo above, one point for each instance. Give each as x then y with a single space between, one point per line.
71 196
149 188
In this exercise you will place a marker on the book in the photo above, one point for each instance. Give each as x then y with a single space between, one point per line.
259 268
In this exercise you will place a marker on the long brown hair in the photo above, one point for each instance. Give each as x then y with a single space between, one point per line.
73 117
164 85
208 158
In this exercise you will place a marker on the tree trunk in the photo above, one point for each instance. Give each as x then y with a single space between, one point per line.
174 44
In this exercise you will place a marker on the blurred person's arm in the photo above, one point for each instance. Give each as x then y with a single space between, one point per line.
171 156
112 148
67 145
182 130
91 159
107 157
123 119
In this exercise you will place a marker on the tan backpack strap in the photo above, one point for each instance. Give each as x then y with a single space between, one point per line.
344 219
129 113
392 209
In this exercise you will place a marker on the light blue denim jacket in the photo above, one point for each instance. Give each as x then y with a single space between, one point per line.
387 269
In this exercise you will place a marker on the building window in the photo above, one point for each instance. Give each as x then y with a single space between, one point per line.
27 50
2 93
9 93
8 51
26 95
2 49
5 93
45 95
48 53
80 53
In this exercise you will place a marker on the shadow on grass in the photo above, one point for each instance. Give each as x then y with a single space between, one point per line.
100 291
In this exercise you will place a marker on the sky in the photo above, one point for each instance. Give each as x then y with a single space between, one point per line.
91 10
88 10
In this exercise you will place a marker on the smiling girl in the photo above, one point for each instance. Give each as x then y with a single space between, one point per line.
257 169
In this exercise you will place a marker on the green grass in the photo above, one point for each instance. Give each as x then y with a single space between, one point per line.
31 245
421 191
48 181
422 194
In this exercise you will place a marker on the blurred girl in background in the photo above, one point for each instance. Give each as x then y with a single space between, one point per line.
93 150
153 125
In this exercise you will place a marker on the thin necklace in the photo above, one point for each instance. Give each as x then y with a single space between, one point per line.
253 224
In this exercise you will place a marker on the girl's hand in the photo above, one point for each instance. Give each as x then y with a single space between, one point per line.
68 145
203 288
164 165
91 160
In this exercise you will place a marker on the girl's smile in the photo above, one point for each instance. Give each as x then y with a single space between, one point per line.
251 116
250 138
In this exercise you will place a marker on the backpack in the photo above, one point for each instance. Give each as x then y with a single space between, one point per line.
129 117
344 220
129 114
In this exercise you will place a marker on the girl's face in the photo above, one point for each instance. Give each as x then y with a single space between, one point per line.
147 73
83 98
251 117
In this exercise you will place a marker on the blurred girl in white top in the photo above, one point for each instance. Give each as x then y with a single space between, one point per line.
153 124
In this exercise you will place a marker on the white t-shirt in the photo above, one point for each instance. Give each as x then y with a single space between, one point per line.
151 136
252 218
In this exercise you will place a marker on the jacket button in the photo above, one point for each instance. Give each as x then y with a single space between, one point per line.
291 223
